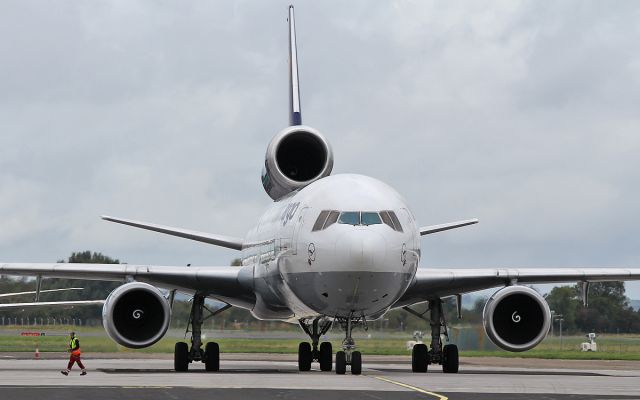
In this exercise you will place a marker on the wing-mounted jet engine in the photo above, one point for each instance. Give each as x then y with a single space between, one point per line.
296 157
516 318
136 315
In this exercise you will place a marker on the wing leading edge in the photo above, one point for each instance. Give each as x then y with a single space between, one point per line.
432 283
232 285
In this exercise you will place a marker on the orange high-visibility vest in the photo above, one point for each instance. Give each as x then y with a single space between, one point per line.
72 344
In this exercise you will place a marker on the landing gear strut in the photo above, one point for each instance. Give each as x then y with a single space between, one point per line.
446 356
349 355
307 353
210 356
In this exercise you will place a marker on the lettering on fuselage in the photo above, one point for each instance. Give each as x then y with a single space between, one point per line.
289 212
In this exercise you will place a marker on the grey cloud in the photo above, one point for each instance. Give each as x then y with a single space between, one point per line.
520 113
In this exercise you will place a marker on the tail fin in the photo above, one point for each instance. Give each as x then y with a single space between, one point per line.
295 115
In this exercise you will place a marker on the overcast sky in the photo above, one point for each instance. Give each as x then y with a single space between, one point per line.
524 114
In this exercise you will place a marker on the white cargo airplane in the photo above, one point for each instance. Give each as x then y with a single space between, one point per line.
330 249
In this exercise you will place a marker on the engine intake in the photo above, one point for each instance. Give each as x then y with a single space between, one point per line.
136 315
296 157
516 318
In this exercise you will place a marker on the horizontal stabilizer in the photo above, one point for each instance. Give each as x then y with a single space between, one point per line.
52 303
445 227
218 240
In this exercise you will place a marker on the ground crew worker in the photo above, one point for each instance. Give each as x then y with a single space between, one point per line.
74 349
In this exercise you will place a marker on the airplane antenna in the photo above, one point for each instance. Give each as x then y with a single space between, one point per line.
295 116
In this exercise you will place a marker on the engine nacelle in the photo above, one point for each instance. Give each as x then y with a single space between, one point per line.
295 157
516 318
136 315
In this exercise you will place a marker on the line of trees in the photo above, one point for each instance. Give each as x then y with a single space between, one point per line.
609 310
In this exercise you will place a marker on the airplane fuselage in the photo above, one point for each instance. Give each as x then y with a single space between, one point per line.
343 245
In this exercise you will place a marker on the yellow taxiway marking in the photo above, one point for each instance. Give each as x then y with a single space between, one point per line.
417 389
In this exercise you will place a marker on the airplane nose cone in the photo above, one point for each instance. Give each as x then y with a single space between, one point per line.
360 249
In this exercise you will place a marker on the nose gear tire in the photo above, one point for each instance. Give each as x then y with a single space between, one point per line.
356 363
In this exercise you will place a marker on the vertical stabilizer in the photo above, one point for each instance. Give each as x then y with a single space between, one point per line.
295 115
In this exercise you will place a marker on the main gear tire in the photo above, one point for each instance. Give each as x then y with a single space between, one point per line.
450 359
181 357
305 356
212 357
326 355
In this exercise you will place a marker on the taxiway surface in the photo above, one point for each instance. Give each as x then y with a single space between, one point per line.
276 377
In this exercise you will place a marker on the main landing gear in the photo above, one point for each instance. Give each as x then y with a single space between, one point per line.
446 356
210 356
308 353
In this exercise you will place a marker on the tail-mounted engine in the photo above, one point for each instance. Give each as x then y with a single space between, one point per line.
516 318
296 157
136 315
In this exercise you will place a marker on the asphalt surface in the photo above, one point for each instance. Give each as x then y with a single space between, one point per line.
104 393
252 376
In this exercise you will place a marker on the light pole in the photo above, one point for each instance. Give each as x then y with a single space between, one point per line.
560 320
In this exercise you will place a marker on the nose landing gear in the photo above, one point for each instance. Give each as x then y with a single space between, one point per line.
349 355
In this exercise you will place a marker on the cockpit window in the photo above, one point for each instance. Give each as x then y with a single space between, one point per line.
333 217
370 218
327 218
321 220
390 218
349 217
387 219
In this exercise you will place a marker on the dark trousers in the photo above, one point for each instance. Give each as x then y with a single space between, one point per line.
75 359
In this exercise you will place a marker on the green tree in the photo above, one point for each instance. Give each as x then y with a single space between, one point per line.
564 301
608 310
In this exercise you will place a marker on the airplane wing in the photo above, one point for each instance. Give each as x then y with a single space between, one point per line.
222 283
41 291
432 283
73 303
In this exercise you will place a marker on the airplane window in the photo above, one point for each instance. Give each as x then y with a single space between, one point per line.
320 221
395 220
331 219
349 217
387 219
370 218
